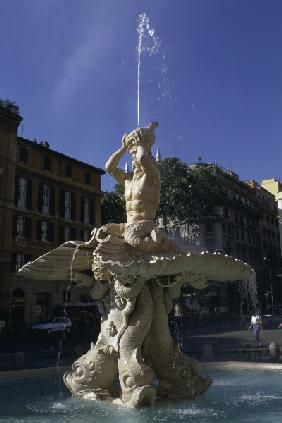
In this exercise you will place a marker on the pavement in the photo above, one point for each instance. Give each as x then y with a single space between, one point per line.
228 337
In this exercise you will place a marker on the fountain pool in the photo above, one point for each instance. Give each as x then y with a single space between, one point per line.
239 396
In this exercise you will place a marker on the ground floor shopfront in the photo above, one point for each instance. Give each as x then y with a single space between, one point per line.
33 301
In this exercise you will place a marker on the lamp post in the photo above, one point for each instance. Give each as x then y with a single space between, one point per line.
268 264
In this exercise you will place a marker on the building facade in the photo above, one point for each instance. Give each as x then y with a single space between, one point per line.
275 187
244 225
46 198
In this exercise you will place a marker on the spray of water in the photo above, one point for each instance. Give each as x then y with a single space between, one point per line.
147 42
61 340
248 294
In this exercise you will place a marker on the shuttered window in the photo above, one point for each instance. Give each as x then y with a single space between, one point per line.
67 205
45 231
18 260
22 192
21 227
46 199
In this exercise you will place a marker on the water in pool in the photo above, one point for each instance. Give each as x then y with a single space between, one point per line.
235 396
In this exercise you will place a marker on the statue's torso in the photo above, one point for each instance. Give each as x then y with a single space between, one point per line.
142 196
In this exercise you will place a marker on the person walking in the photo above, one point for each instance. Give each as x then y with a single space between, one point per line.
256 326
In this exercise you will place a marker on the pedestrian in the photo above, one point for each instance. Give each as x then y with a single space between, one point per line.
256 326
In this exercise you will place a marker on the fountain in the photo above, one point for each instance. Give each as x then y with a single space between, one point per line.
135 270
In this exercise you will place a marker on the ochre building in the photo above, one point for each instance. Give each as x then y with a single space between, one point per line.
46 198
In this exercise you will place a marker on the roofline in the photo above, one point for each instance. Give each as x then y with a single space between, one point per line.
61 155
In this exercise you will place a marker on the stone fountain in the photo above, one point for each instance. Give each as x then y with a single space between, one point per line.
136 271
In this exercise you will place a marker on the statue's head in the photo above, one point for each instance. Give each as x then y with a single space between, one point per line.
142 136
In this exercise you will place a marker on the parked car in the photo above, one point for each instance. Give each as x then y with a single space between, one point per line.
58 324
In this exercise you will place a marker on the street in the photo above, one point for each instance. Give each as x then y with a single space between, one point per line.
230 339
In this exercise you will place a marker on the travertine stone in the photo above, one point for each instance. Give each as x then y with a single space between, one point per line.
135 270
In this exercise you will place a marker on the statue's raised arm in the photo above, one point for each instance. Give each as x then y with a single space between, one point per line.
112 163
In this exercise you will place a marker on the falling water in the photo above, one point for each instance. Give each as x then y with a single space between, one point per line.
252 285
75 251
61 340
248 294
145 33
71 265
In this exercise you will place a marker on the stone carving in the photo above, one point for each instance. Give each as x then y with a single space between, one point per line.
137 270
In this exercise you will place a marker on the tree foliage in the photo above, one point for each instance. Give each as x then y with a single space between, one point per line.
113 206
10 106
187 194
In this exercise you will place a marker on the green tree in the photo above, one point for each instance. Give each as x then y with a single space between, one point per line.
187 194
113 206
10 106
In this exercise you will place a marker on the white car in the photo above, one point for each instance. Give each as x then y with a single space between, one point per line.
58 324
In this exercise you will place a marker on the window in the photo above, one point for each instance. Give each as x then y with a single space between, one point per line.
85 235
67 236
87 210
47 163
22 227
24 154
68 171
66 233
20 259
44 231
18 297
45 199
87 178
22 193
67 205
86 219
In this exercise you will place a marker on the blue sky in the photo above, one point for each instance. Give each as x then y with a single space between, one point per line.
215 85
